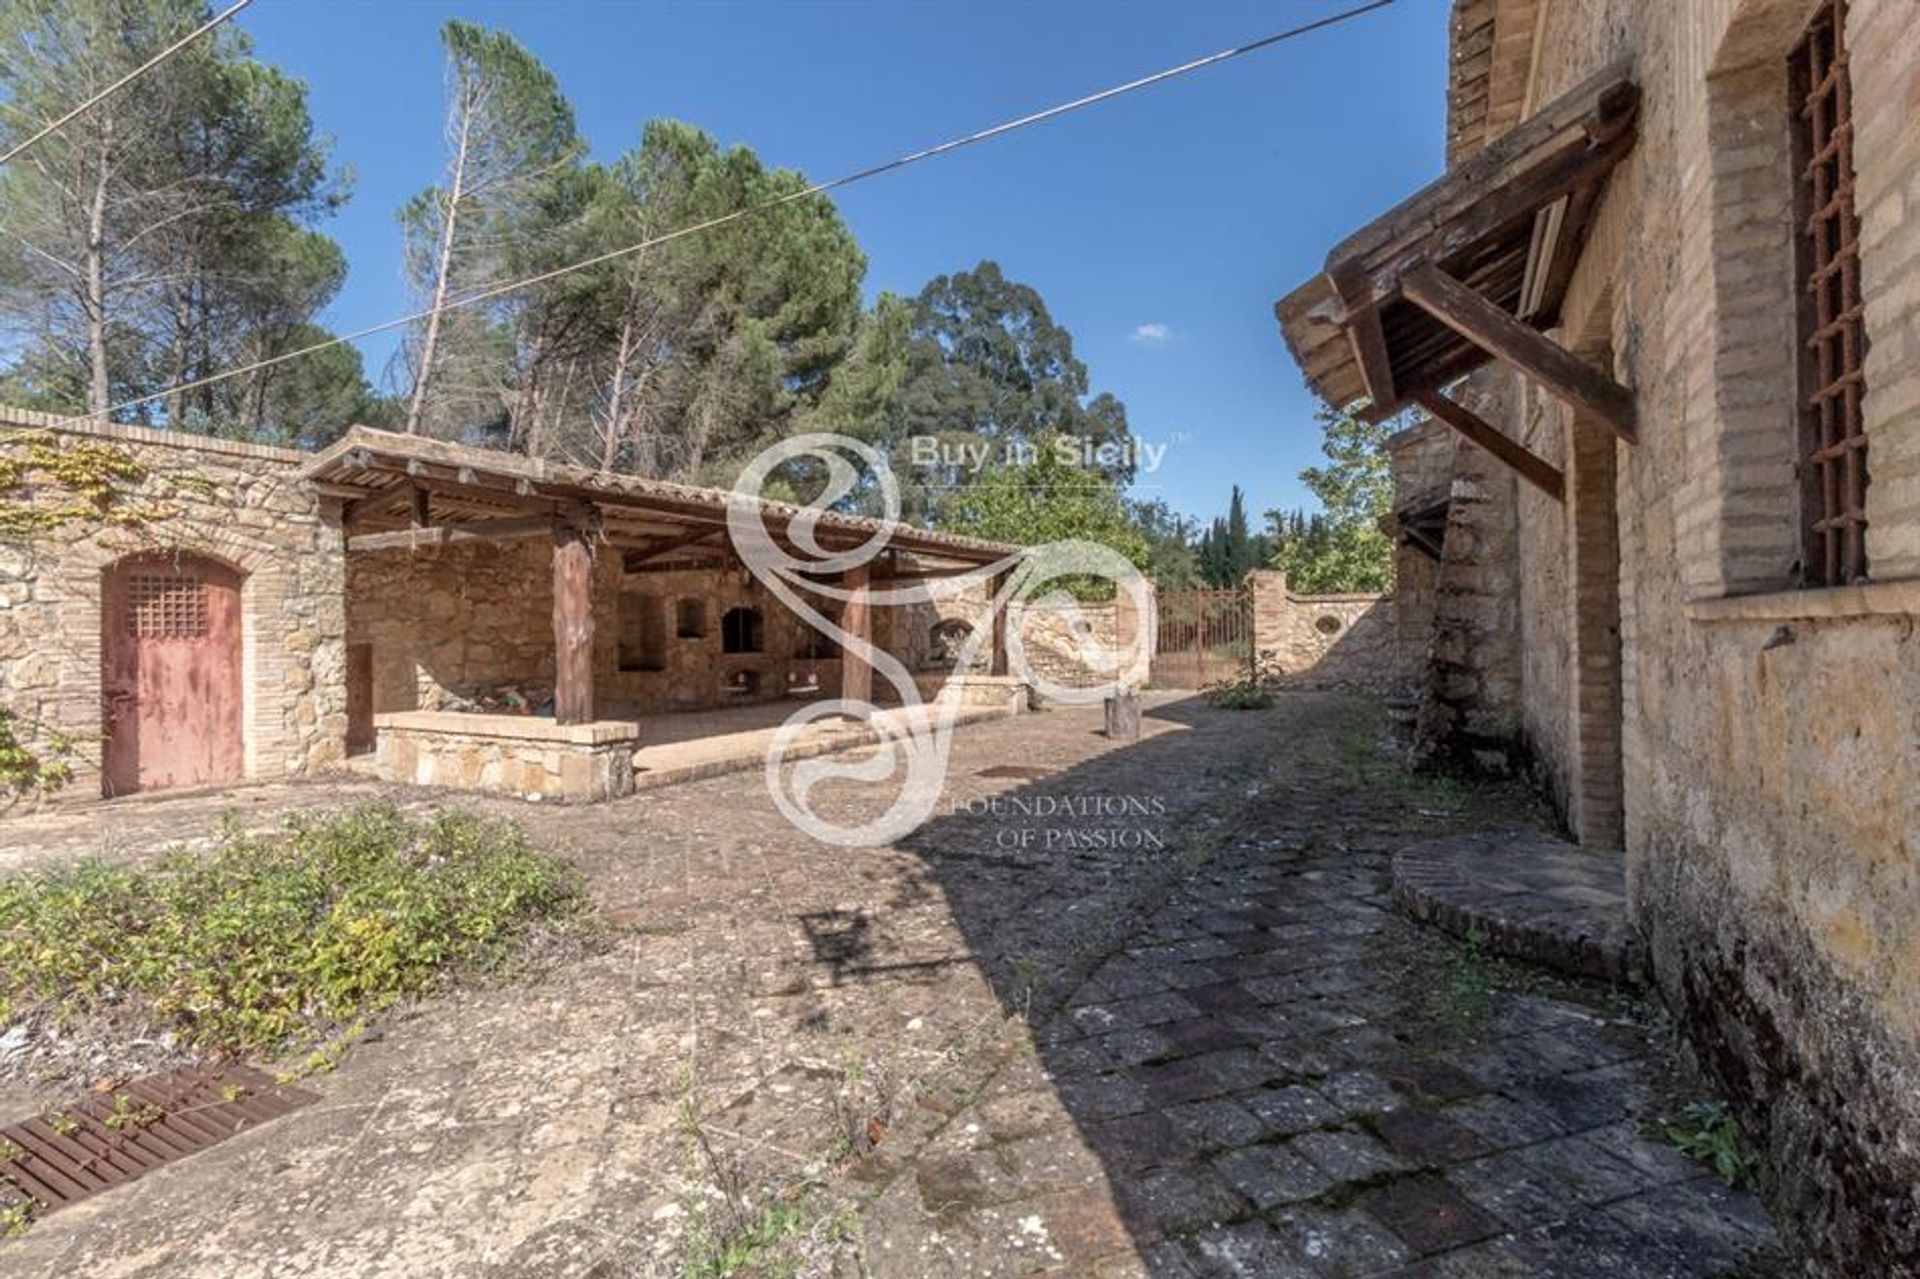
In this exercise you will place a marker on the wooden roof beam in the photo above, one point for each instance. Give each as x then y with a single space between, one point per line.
410 539
1526 348
668 546
1530 466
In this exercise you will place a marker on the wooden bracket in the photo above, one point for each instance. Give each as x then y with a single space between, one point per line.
1531 467
1526 348
1367 336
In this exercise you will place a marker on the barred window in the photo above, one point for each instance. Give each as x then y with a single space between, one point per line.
1833 450
166 606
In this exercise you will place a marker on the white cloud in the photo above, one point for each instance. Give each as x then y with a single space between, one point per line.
1153 333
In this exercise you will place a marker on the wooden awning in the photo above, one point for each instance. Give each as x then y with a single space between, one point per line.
406 491
1471 269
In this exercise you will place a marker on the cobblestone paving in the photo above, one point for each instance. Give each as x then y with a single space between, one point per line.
1144 1011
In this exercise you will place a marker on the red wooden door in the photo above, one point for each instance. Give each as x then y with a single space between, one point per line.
170 651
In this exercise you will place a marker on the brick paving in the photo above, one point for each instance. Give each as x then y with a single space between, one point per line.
1201 1043
1279 1076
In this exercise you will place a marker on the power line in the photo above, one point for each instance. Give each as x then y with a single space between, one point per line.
818 188
128 78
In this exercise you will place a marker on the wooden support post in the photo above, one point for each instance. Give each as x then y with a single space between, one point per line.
1533 468
997 650
422 514
572 624
1526 348
856 619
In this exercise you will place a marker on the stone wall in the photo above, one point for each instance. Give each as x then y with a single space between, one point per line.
1347 641
509 754
236 503
1469 710
1421 462
1054 636
1769 748
455 626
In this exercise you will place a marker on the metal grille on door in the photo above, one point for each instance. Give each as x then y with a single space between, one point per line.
166 607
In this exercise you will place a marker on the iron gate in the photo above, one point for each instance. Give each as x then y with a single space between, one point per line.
1205 635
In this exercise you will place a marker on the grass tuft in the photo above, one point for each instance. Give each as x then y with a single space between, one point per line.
269 941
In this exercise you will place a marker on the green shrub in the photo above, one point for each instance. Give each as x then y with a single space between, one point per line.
1707 1131
270 940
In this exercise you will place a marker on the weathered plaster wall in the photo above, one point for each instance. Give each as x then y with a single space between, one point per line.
1770 745
238 503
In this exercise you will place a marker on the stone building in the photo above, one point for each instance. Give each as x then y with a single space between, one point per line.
186 610
1661 315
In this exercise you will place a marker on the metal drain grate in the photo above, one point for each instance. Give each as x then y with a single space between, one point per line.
115 1136
1024 772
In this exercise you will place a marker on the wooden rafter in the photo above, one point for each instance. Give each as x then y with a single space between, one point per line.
1526 348
1508 225
1530 466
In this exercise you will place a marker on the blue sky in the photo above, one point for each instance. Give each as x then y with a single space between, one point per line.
1160 227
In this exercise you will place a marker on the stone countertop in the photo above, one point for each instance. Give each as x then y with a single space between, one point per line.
536 728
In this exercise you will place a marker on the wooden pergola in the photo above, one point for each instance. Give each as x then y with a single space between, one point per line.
1473 268
404 493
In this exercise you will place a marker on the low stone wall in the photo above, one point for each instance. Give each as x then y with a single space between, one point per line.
523 755
1006 692
1347 641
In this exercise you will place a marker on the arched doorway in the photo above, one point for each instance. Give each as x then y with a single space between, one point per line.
170 675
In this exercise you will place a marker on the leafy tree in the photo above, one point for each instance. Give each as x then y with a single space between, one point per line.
1342 548
977 365
510 140
675 360
164 233
1047 499
1172 559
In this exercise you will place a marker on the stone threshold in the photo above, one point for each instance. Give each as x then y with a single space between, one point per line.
1529 896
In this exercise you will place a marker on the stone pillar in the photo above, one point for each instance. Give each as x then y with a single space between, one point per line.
572 624
856 619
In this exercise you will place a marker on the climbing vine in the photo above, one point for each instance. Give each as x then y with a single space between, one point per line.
34 758
50 483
